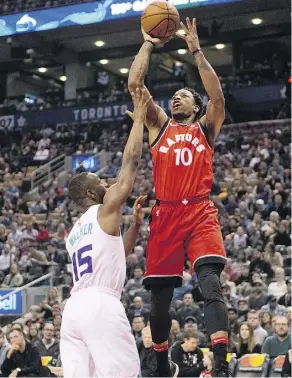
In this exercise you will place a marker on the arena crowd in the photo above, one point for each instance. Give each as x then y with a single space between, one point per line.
251 189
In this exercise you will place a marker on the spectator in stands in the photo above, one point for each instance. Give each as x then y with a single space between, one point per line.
13 279
33 334
174 332
30 233
188 308
43 234
258 297
135 284
285 300
280 343
53 298
15 234
273 307
243 309
247 343
48 345
259 264
278 288
53 254
233 320
6 259
42 155
188 356
4 347
137 325
80 167
39 207
266 322
138 310
22 358
147 354
259 333
282 237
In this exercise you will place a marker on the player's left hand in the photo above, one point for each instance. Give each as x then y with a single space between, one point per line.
191 34
137 209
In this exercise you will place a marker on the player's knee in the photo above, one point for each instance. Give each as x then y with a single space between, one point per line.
211 287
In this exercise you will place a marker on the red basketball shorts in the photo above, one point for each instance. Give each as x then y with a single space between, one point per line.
184 228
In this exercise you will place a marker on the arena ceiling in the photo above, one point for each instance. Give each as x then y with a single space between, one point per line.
122 39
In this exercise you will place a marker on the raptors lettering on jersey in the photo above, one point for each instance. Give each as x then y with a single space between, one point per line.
182 162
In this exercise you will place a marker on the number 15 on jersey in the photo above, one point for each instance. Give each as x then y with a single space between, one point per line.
82 262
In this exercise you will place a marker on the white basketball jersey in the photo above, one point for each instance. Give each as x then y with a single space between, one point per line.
98 259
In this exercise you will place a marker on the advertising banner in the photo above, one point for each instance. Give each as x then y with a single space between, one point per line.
12 305
84 14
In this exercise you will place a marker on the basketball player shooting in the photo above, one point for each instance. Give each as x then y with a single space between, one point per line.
184 219
96 338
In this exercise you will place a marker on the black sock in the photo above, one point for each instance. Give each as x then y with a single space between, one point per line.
220 354
163 369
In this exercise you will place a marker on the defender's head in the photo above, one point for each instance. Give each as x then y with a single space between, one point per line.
185 103
87 189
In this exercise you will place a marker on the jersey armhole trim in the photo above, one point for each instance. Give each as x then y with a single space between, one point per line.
161 131
206 133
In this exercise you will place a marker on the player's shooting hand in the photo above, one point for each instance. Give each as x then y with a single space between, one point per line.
191 34
156 41
141 100
137 209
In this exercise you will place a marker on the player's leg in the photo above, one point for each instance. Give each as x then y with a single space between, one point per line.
164 268
206 252
110 341
215 313
75 356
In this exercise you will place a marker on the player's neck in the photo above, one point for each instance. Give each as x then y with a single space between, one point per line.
185 121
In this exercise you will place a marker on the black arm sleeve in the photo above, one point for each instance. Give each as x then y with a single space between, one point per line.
34 361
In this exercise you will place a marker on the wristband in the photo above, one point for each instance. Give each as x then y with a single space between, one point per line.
196 51
152 43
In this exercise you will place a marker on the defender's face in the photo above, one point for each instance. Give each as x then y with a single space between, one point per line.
182 104
97 185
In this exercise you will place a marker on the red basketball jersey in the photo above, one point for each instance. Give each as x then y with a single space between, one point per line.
182 162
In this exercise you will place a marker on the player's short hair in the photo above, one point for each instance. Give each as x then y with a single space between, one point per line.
78 187
190 333
198 101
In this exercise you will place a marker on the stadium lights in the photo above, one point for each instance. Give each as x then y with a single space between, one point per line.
103 61
256 21
220 46
63 78
124 70
42 69
181 51
99 43
181 32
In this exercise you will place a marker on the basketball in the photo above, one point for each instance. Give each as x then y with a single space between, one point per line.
160 19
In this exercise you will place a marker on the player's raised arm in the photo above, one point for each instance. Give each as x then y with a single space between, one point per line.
117 195
156 116
215 113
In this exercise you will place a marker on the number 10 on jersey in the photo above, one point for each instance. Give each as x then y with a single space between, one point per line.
82 262
183 156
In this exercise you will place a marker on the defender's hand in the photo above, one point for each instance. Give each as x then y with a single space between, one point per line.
141 100
155 41
191 34
137 209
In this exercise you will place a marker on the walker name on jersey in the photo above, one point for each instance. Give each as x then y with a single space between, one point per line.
80 232
182 138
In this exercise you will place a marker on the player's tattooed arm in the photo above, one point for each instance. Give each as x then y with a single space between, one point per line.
156 117
132 233
215 113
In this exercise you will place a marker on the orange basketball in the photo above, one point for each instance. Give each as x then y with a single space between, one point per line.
160 19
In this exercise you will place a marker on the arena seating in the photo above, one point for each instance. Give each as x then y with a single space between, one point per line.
251 164
14 6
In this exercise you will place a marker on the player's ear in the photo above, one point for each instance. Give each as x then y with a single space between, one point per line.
196 109
91 194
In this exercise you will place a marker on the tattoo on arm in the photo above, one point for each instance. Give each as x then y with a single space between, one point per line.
140 65
202 63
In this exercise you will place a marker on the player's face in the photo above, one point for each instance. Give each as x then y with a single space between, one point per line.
97 186
182 104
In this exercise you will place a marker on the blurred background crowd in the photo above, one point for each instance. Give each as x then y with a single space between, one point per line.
251 189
